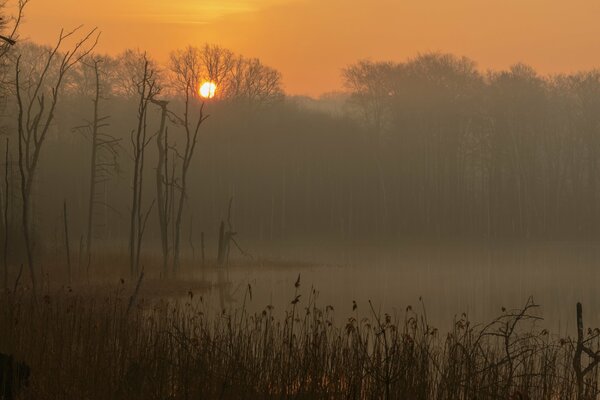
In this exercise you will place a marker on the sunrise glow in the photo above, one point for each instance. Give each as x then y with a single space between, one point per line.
208 90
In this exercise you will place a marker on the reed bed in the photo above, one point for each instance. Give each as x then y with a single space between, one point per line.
119 347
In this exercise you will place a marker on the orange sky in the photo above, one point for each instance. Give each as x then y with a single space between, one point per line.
309 41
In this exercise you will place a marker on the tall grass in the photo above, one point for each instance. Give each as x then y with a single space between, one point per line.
96 347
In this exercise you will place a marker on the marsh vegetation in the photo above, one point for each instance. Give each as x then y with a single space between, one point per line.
112 345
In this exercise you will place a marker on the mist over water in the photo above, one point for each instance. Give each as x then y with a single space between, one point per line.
450 279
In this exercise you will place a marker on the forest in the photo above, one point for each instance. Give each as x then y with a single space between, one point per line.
128 182
427 148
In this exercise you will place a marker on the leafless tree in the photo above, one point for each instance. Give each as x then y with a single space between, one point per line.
5 214
236 77
163 183
10 39
147 87
252 82
9 27
371 87
35 116
217 63
185 66
104 154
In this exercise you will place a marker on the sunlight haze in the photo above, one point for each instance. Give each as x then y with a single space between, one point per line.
309 41
299 199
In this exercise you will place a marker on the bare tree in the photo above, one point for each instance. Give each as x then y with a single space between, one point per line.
35 116
147 89
217 63
253 82
5 214
163 184
185 66
371 86
236 77
10 39
103 159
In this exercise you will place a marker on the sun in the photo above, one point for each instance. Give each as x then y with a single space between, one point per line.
208 89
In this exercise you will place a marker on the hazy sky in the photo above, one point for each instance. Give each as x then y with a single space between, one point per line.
309 41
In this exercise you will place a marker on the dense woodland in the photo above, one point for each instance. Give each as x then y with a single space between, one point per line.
428 148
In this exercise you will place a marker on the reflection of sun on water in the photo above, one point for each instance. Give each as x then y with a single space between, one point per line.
208 89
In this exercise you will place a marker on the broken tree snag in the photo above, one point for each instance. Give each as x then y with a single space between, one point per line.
226 238
134 296
221 249
162 182
230 233
202 247
68 250
5 216
578 351
191 241
103 160
581 348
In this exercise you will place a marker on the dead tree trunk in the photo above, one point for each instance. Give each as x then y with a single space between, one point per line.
185 67
221 245
102 161
34 119
226 237
578 352
580 349
162 183
139 141
202 248
191 240
6 224
186 159
68 249
92 192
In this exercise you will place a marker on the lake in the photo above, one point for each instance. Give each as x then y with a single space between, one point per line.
450 279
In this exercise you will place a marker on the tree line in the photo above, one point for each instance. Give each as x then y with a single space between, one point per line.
431 147
492 154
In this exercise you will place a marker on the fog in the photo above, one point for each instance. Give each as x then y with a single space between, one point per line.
428 186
